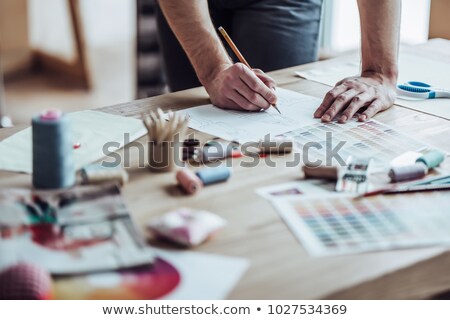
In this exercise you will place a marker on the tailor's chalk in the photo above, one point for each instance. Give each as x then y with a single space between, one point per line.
321 172
189 181
278 145
411 172
97 174
214 175
432 158
53 162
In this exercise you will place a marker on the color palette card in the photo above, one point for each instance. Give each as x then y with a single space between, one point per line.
370 139
344 225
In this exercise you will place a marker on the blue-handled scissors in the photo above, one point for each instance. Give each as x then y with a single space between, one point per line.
421 90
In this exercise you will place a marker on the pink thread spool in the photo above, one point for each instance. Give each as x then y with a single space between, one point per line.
25 282
189 181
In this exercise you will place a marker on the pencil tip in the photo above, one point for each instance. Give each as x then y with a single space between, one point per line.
276 108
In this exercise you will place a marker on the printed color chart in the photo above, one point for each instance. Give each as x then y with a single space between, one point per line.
370 139
344 225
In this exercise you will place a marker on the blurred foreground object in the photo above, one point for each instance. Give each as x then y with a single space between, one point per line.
25 282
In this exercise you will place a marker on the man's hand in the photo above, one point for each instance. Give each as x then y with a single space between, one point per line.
375 89
371 90
237 87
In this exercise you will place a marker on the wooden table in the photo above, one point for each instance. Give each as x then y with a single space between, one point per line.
280 267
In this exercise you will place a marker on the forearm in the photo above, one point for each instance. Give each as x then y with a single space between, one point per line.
380 29
197 35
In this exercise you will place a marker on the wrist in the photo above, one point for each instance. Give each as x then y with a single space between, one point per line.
389 75
208 75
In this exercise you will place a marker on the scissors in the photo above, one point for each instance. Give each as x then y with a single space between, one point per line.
421 90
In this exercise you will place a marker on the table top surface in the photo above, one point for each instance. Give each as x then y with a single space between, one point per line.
280 268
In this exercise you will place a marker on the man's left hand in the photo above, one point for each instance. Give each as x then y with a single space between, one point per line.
371 90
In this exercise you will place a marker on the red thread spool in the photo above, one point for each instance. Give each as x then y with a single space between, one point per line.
189 181
25 282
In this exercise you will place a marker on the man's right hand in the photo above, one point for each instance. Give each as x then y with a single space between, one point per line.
237 87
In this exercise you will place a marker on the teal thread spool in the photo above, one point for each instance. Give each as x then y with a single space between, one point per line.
214 175
432 158
53 163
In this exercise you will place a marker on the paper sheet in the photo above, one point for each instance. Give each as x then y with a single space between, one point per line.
296 110
177 275
92 129
204 276
411 68
337 224
370 139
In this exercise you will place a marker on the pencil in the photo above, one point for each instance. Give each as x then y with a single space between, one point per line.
407 189
238 53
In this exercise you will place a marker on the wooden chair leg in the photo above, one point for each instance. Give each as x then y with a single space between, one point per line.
5 121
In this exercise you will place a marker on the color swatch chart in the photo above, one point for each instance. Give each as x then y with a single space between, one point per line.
370 139
344 225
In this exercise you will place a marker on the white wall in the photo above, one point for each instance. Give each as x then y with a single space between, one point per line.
104 22
50 29
341 28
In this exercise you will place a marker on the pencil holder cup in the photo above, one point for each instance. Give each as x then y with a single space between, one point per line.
165 131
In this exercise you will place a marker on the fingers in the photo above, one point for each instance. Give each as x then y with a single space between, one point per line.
375 107
243 102
256 84
358 102
268 81
252 97
339 103
374 91
329 99
239 87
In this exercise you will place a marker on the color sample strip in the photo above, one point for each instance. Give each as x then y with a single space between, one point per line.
343 225
368 139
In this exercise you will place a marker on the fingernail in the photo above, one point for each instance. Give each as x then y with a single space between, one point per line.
317 113
326 118
363 117
343 119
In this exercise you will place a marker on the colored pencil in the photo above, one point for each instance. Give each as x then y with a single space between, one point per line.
406 189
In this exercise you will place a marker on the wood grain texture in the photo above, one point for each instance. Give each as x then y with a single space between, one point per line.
280 267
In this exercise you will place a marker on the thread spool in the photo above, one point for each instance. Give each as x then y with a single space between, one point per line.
189 153
432 158
53 163
189 181
97 174
25 282
214 175
321 172
191 143
410 172
276 146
